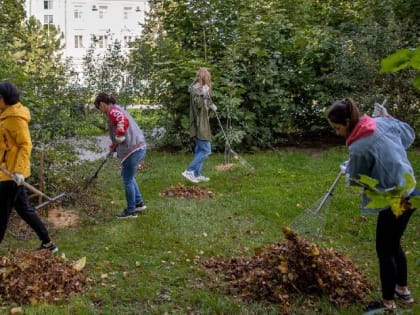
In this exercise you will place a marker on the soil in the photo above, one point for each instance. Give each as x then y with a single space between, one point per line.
61 218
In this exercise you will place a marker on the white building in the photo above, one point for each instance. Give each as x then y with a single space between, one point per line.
82 21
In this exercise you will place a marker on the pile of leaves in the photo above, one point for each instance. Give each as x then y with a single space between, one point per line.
187 192
293 267
143 166
33 277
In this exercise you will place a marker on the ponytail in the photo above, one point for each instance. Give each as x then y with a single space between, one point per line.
344 112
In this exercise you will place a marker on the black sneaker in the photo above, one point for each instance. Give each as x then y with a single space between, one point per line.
48 246
378 307
127 214
140 207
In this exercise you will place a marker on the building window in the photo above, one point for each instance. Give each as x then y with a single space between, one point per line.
48 4
48 19
77 14
126 13
127 41
102 11
78 41
102 41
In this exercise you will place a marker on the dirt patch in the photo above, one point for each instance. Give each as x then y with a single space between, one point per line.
187 192
225 167
61 218
57 217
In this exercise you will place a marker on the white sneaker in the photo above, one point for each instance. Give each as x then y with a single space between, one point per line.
202 178
190 176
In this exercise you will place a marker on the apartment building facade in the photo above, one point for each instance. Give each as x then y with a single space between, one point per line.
82 22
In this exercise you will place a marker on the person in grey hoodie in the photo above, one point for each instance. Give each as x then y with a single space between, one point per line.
129 142
378 149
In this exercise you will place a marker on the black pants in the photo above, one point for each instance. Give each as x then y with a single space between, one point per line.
13 196
392 260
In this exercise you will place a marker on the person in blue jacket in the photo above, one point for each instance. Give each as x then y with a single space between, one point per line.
378 149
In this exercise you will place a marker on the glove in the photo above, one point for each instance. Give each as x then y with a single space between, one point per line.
213 107
343 167
379 111
19 179
205 89
120 139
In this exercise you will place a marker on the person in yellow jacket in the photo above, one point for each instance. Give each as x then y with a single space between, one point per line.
15 153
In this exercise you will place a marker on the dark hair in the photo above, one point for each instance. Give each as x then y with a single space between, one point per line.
344 111
9 93
104 97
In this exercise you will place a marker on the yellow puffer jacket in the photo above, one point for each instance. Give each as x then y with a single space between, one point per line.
15 140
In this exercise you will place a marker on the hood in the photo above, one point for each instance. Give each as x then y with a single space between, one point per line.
16 110
365 127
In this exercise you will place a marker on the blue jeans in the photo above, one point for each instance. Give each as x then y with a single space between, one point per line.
201 151
128 171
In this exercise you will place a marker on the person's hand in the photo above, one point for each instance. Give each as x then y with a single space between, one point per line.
19 179
213 107
110 154
120 139
205 89
343 167
379 111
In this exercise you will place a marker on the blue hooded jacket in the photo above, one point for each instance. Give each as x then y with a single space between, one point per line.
377 148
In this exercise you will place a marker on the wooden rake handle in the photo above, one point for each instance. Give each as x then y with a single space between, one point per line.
28 186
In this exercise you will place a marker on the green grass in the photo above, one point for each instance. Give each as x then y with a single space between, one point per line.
149 261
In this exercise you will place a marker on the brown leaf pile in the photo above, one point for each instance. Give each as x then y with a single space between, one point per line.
143 166
187 192
293 267
32 277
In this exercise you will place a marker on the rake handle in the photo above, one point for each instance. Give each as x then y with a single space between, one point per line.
223 131
28 186
329 192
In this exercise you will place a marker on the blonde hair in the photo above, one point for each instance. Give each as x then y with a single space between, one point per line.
203 77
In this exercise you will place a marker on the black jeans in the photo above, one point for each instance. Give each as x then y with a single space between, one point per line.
392 260
12 196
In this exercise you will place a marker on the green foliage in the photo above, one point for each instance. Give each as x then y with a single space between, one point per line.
275 65
389 198
403 59
105 70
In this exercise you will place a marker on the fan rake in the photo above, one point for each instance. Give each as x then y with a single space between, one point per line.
311 222
235 155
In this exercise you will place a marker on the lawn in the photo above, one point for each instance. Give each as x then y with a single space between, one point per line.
147 265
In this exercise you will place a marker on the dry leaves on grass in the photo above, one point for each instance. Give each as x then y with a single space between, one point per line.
187 192
294 267
33 277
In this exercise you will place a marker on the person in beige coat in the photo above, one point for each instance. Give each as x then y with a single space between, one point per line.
15 154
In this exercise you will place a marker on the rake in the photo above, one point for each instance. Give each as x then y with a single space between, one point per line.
36 191
311 221
95 176
235 155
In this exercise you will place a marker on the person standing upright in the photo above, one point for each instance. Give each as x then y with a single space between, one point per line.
130 144
15 154
200 131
